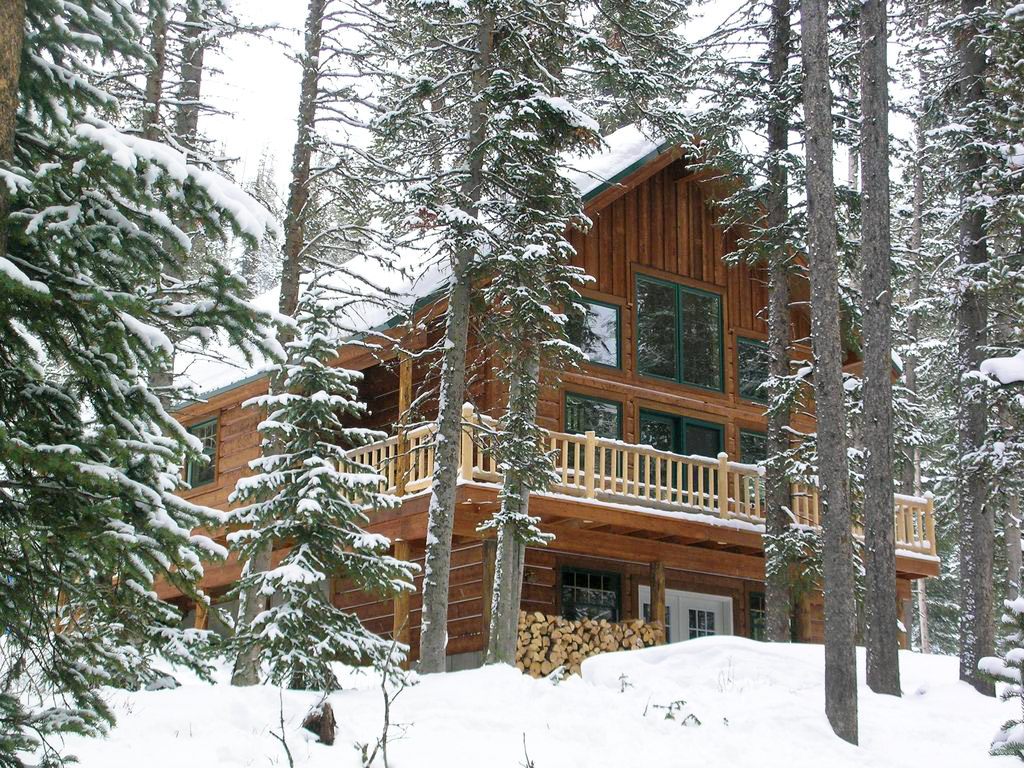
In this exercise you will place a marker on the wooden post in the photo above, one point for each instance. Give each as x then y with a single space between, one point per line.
467 441
929 520
723 485
490 551
404 403
202 615
400 627
588 463
658 596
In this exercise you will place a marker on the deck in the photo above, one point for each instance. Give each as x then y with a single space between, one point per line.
601 485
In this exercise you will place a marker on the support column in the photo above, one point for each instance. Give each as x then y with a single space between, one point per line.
658 596
400 627
202 615
404 404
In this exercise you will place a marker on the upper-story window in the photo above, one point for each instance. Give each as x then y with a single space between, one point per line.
596 332
753 446
584 413
197 472
753 367
679 333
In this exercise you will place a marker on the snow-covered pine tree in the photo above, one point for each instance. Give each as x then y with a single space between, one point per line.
538 117
310 495
89 459
1008 669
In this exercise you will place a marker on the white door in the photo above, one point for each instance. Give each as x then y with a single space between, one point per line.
691 614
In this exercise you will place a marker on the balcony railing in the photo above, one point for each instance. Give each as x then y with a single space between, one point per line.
591 467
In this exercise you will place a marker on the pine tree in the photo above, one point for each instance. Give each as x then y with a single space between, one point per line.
1009 670
89 459
308 494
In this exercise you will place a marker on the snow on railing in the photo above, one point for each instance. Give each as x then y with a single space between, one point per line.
592 467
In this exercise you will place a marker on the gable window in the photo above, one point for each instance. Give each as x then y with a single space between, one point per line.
584 413
679 333
753 446
590 594
200 473
753 368
596 332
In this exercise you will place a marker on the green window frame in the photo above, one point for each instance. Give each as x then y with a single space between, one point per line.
590 594
756 615
198 473
576 330
681 374
747 436
573 421
746 351
679 425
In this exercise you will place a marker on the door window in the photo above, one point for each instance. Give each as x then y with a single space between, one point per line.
702 615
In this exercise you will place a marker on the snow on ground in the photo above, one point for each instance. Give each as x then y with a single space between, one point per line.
758 705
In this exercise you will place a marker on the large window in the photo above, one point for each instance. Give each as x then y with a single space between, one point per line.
753 446
200 473
596 332
679 333
753 368
590 594
679 434
583 413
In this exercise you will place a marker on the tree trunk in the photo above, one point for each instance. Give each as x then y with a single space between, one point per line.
452 391
186 119
977 529
246 670
12 35
1013 546
155 76
515 503
880 599
778 588
840 606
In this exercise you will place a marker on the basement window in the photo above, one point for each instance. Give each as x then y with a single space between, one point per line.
200 473
591 594
755 609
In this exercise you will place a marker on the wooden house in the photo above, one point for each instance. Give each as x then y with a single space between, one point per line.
655 439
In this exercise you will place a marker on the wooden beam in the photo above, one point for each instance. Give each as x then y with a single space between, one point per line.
404 403
202 615
400 625
658 596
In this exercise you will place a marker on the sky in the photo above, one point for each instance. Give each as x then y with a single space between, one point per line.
256 83
258 86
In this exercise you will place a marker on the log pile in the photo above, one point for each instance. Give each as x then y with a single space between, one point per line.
549 642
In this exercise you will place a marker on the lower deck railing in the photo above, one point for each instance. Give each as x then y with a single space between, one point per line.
591 467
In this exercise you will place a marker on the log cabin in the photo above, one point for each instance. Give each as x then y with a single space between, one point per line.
657 506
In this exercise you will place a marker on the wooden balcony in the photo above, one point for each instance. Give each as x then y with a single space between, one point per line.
606 471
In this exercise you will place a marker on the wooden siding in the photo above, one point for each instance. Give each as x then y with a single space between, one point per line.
664 227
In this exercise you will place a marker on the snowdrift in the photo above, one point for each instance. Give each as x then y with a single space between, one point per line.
717 701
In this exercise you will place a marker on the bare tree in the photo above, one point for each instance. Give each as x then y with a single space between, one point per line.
837 559
880 599
975 516
777 593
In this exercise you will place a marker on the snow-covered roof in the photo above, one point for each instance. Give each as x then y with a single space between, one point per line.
378 292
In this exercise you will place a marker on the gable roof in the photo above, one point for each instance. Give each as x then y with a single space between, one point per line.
386 295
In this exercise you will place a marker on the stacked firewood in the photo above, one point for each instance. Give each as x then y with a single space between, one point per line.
549 642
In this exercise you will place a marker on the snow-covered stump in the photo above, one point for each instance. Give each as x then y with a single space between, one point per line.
549 642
